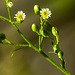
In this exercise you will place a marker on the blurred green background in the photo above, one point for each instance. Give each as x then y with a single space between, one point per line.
27 61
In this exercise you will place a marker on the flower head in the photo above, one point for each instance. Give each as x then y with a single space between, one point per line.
45 13
20 16
10 4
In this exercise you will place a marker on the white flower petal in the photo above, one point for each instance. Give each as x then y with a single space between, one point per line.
20 15
45 13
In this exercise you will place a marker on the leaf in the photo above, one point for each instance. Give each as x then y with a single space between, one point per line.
14 51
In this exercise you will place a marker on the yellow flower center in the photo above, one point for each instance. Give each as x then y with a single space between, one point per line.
20 16
45 14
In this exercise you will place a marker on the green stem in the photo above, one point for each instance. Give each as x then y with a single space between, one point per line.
55 64
31 45
41 52
21 34
41 38
3 18
36 49
57 38
7 41
40 42
15 44
9 13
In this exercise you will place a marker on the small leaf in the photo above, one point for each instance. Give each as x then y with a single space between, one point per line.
16 51
47 26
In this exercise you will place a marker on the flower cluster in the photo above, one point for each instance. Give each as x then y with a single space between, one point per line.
45 13
20 16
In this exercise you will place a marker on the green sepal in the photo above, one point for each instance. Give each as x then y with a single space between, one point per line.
19 21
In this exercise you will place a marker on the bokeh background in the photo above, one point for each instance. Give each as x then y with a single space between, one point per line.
27 61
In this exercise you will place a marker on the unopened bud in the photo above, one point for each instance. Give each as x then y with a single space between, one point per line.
37 10
35 28
54 31
60 55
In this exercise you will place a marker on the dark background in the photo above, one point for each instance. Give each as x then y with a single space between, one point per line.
27 61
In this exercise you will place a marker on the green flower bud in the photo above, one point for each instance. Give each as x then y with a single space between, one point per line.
54 31
47 26
35 28
2 36
37 10
60 55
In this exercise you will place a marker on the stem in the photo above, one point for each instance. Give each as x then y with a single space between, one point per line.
35 48
41 52
15 44
55 64
3 18
41 38
30 44
57 38
40 42
20 33
7 41
9 13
